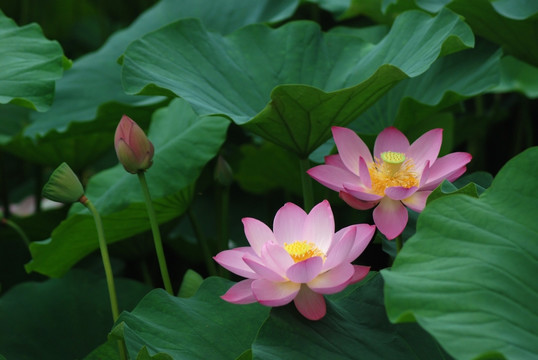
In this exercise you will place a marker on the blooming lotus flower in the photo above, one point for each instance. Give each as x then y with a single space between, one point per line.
300 259
398 174
133 148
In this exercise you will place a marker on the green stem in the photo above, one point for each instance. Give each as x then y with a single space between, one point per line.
399 244
211 268
156 233
18 229
104 255
108 268
308 193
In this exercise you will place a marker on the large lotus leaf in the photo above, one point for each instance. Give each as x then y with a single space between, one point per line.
201 327
94 83
518 76
90 99
450 80
468 275
355 327
297 82
183 142
65 318
29 65
510 23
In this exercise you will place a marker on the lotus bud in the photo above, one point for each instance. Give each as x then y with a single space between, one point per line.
133 148
63 186
223 172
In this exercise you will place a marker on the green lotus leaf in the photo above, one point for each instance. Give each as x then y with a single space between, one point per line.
509 23
200 327
29 65
449 81
49 313
297 82
519 76
355 327
89 98
177 133
467 276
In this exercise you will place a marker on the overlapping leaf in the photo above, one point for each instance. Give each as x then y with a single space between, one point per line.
90 99
183 142
296 82
355 327
509 23
468 275
29 65
450 80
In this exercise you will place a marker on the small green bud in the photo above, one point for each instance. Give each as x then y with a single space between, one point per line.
63 186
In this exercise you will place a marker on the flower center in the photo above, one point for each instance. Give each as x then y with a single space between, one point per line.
392 170
301 250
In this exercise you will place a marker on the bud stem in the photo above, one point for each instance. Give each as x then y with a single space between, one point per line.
156 233
17 229
106 264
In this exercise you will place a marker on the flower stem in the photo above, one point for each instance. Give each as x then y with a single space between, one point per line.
104 255
211 268
17 229
108 268
399 244
308 193
156 233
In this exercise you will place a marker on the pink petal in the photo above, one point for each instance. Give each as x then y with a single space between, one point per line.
277 258
271 293
356 203
446 166
342 243
257 234
363 236
288 224
359 274
332 177
334 280
361 193
335 160
350 148
262 270
390 217
364 173
417 201
306 270
310 304
400 192
425 148
456 174
232 260
425 175
390 139
240 293
319 226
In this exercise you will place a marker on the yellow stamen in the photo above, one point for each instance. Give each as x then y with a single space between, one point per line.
301 250
392 170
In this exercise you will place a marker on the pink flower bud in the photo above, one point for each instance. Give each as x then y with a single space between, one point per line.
133 148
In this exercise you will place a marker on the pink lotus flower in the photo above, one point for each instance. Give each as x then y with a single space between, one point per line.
399 174
133 148
300 260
